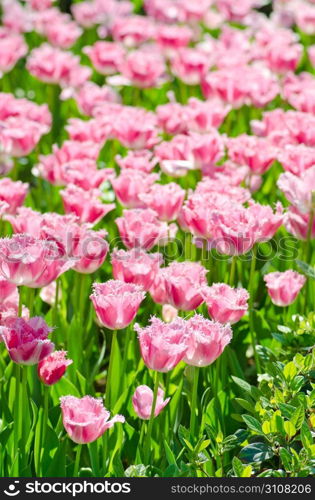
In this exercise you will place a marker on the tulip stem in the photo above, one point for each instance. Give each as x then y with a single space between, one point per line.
194 408
108 395
55 306
77 461
125 358
20 302
31 297
147 446
251 307
232 270
17 412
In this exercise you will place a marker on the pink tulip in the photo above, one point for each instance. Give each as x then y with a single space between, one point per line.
90 97
136 128
9 311
26 341
172 37
85 204
12 48
48 293
144 68
53 367
85 419
225 304
207 340
203 116
40 4
57 167
172 117
22 259
257 153
190 65
136 266
268 221
132 31
90 250
207 148
158 288
165 199
13 193
296 158
140 228
25 260
130 185
163 345
142 400
283 288
53 65
298 190
137 160
169 313
116 303
8 291
183 281
297 223
106 57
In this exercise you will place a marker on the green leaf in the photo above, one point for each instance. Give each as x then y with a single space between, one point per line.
252 423
286 458
256 452
247 471
169 454
237 467
245 404
306 436
289 370
298 417
306 268
289 428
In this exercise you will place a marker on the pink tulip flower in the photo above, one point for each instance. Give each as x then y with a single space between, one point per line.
190 65
53 367
283 288
142 400
225 304
207 340
106 57
163 345
130 185
140 228
85 204
116 303
13 193
26 341
85 419
136 266
144 68
165 199
183 281
141 160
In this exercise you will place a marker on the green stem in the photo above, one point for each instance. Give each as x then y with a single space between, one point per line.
108 395
194 407
232 270
56 301
77 461
147 446
125 358
20 302
31 297
17 411
309 235
251 307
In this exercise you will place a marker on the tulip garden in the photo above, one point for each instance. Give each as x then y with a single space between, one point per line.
157 218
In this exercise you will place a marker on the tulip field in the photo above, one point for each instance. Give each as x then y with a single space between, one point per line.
157 226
